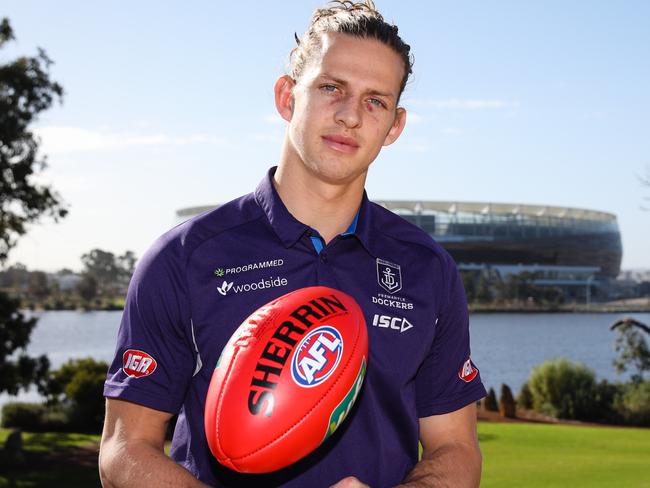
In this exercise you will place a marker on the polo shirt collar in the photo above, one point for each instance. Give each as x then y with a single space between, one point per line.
290 230
285 225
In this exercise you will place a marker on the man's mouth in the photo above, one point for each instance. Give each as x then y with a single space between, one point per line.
343 144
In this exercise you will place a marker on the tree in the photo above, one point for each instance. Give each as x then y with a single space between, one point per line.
15 329
25 91
109 271
87 287
507 404
39 286
101 265
632 348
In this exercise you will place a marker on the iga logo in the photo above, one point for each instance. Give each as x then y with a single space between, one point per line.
389 275
317 356
136 363
468 372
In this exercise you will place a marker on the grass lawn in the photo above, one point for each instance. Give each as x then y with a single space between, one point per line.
550 456
514 455
53 459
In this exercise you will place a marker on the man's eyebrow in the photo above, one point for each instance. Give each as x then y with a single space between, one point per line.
338 81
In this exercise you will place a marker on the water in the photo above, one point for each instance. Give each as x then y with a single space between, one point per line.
504 346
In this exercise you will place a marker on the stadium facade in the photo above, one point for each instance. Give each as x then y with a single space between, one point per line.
577 250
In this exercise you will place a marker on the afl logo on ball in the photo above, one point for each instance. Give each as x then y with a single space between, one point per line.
317 356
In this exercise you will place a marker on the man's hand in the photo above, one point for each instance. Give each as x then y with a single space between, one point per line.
349 482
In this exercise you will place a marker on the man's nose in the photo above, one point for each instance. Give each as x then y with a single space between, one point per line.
348 112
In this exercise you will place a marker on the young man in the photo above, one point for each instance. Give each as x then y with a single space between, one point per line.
308 223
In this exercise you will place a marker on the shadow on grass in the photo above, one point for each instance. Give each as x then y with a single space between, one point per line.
487 437
52 460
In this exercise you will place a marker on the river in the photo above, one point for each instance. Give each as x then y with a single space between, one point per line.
504 346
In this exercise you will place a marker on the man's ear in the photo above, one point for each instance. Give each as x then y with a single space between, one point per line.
283 90
397 127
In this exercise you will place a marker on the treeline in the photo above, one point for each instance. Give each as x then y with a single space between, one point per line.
488 287
101 285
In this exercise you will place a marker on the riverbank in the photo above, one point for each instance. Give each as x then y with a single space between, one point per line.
636 305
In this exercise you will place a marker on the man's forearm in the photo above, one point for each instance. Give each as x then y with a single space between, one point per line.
450 466
141 464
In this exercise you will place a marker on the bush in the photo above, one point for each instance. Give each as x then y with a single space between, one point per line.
22 415
34 417
632 403
77 389
525 398
507 405
490 402
563 389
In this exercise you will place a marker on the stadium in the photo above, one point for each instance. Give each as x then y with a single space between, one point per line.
576 250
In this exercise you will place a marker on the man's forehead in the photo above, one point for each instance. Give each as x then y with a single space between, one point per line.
358 60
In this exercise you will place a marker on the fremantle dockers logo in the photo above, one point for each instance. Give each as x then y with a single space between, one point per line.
389 276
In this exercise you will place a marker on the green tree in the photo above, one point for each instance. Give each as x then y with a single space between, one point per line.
16 368
25 91
39 286
103 266
87 288
490 401
507 404
632 348
78 386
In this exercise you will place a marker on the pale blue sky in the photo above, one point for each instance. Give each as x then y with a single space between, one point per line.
170 104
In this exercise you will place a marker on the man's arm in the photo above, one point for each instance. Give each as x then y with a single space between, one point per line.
451 457
131 452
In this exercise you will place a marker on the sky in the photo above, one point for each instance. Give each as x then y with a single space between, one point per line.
170 105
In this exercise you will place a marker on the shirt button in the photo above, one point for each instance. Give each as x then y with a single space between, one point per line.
323 257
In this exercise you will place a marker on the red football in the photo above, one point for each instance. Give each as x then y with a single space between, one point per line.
286 380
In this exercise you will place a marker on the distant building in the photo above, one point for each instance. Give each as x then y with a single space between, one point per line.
574 249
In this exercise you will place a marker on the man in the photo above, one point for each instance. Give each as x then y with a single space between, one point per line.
308 223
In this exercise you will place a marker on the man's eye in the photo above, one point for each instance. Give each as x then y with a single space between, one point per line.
376 102
328 88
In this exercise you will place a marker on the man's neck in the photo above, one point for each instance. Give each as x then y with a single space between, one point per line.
328 208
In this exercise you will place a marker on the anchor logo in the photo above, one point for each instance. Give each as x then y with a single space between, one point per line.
389 275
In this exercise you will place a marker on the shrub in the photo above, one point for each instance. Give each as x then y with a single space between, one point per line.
77 388
490 402
632 403
507 405
525 398
22 415
563 389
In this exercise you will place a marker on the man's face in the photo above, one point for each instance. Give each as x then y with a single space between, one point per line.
344 107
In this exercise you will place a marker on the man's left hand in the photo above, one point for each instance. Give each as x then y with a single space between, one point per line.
350 482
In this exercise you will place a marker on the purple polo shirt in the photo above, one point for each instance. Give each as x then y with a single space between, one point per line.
200 280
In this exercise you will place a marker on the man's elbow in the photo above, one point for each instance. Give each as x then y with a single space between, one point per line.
109 462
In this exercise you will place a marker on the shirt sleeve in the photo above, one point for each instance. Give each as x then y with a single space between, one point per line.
154 358
447 379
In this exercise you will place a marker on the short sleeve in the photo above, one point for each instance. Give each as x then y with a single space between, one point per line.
448 380
154 357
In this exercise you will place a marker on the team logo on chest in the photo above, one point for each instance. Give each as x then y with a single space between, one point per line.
317 356
389 275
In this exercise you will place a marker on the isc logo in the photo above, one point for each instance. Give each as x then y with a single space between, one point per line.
138 363
388 322
317 356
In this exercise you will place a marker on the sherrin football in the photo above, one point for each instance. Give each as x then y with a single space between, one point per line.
286 380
